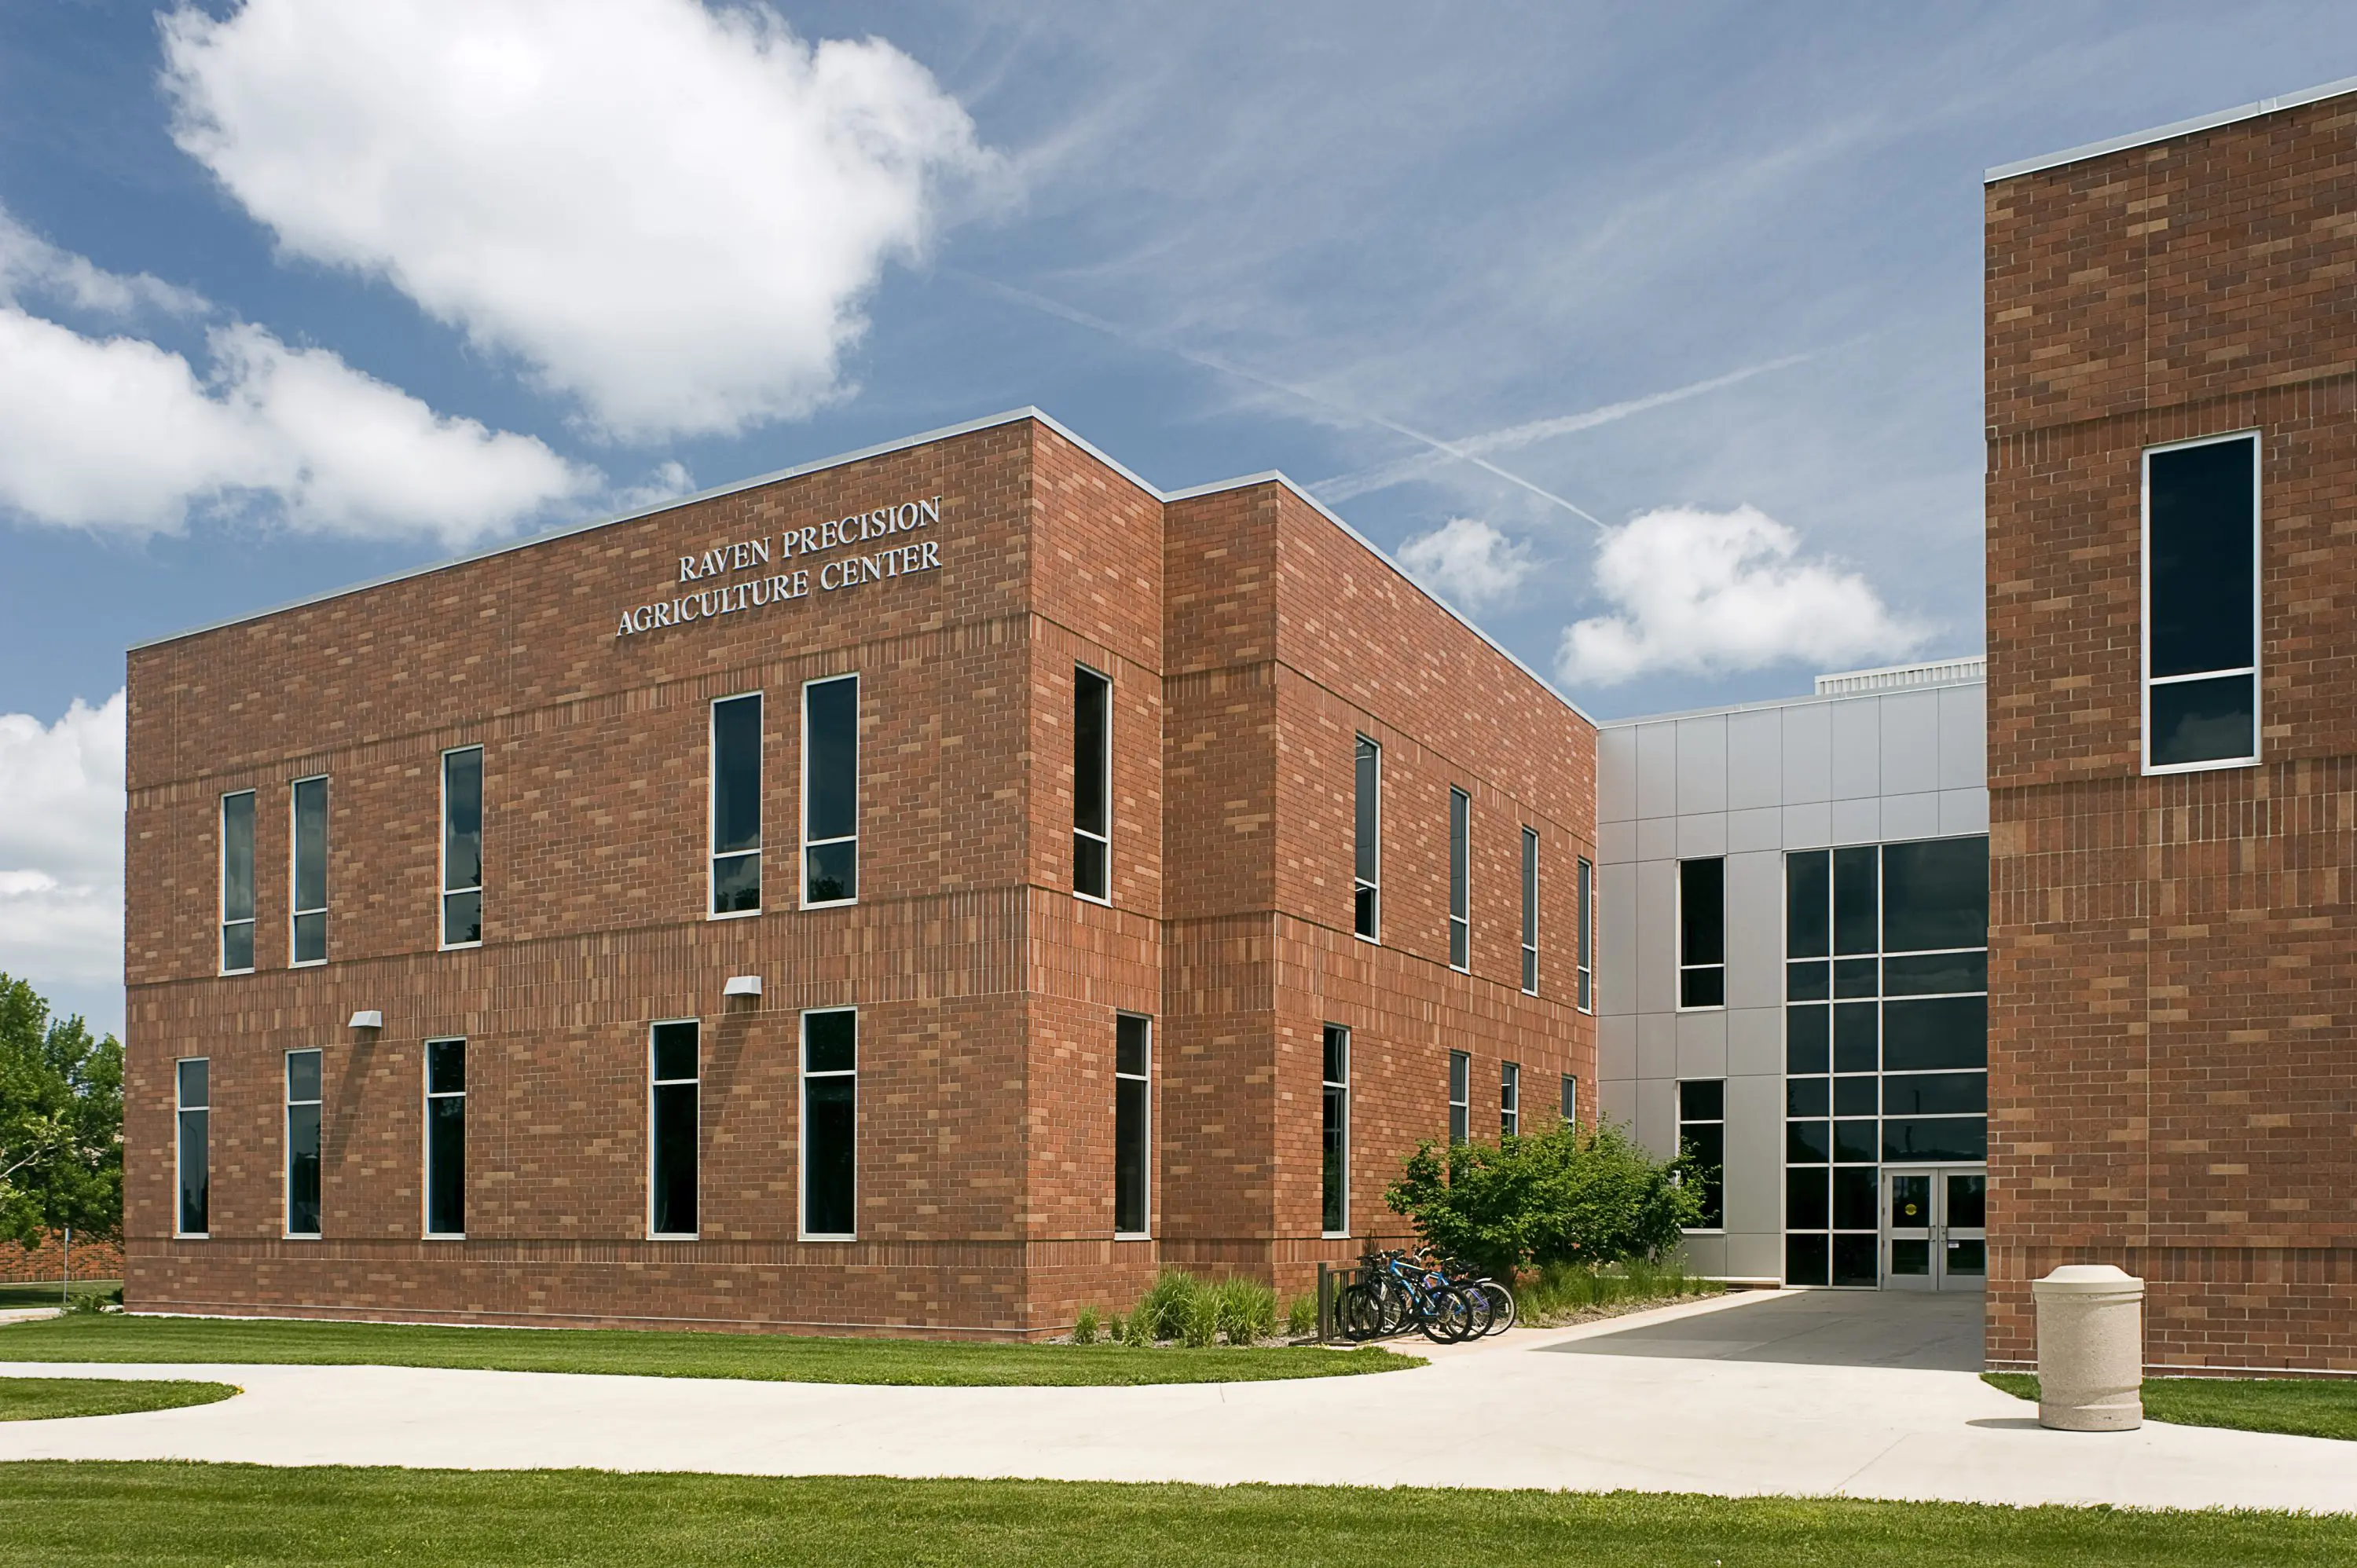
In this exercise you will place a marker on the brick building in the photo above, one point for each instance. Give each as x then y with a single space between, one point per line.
2172 696
927 890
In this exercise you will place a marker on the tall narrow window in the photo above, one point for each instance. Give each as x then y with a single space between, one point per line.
1702 933
673 1120
310 910
462 847
1570 1098
1460 879
1531 911
445 1137
1367 903
1132 1115
736 805
1334 1179
831 791
237 883
1509 1100
1587 936
829 1124
2201 604
193 1093
1460 1097
1092 784
302 1143
1702 1137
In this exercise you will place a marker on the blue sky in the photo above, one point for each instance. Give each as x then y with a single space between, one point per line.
1649 336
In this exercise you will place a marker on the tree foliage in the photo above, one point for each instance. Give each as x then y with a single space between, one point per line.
1568 1194
60 1121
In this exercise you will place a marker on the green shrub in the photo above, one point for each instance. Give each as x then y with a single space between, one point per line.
1301 1317
1244 1310
1084 1326
1169 1303
1569 1195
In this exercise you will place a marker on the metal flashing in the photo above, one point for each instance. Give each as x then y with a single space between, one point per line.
2175 128
1805 699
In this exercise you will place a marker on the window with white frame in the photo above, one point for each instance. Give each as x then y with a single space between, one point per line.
1531 911
736 805
462 847
192 1092
1334 1175
445 1137
831 791
303 1097
1570 1098
1460 1097
2201 604
675 1120
829 1124
1366 913
1460 879
1586 936
1133 1124
1092 784
237 883
309 856
1509 1100
1702 933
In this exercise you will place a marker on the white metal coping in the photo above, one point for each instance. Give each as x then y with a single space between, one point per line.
2176 128
903 443
1970 670
1891 677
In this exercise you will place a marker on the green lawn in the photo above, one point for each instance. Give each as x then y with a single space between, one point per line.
162 1515
50 1293
2304 1407
773 1358
47 1399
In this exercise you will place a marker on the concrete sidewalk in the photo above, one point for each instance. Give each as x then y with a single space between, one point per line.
1528 1418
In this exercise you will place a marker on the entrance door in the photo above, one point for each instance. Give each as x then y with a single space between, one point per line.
1934 1229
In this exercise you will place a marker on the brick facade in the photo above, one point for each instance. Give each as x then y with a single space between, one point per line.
2174 958
1248 639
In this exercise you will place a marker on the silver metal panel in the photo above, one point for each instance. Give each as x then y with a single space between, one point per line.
1706 1253
1755 929
1911 742
1657 770
1909 817
1702 1044
1856 748
1617 945
1857 822
1657 1045
1616 1098
1755 1154
1702 765
1702 836
1963 737
1754 1041
1760 829
1616 842
1809 753
1616 774
1657 1115
1755 759
1963 811
1757 1255
1657 838
1810 826
1657 936
1615 1047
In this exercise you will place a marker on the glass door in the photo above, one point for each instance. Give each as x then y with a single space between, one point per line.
1935 1230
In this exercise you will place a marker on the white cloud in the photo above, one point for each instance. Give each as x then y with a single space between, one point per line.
1706 592
31 265
671 213
61 846
1468 562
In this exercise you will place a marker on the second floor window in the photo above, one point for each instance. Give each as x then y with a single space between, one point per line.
831 791
2201 604
1367 861
1531 911
1702 933
462 847
1587 936
310 871
736 805
1092 784
1460 1097
1460 879
237 883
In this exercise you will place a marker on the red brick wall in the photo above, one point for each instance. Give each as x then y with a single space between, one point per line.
46 1262
988 991
2173 977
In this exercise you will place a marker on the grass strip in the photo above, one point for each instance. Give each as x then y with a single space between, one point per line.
51 1399
2301 1407
50 1293
160 1515
770 1358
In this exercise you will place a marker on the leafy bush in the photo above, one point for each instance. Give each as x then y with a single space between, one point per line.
1301 1317
1084 1326
1244 1310
61 1123
1569 1195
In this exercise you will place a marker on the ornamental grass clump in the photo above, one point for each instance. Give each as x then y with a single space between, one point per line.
1562 1290
1168 1304
1301 1317
1202 1321
1244 1310
1084 1326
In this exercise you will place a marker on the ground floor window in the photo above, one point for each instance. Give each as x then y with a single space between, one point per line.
192 1082
1702 1137
303 1143
1510 1099
673 1118
1460 1097
829 1124
1335 1176
1133 1117
445 1137
1570 1098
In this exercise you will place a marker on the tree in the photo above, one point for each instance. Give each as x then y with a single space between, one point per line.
1566 1195
61 1123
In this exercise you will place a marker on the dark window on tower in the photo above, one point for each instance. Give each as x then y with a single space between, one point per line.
310 857
1092 784
303 1097
1366 910
1587 936
736 804
1133 1124
1460 879
1509 1100
1460 1097
830 1123
2202 511
1335 1171
1702 933
1702 1137
192 1080
673 1120
831 791
237 883
445 1137
462 847
1531 911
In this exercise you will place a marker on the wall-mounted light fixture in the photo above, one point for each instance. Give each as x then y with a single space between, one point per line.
367 1018
742 986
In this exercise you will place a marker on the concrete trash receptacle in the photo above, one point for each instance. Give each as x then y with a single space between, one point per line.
2090 1349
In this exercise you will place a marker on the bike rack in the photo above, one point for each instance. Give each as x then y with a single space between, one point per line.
1331 1283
